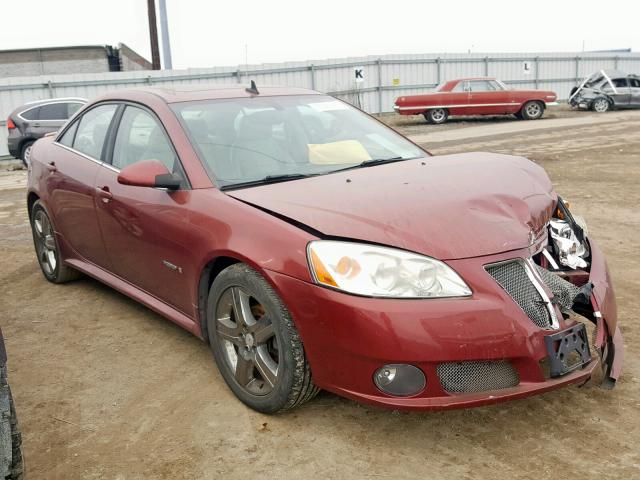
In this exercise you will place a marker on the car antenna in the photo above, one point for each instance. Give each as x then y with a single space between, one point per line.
253 90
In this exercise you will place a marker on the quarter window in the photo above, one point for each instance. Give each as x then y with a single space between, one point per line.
141 137
92 130
67 138
31 114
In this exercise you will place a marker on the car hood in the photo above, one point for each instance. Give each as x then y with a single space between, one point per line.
447 207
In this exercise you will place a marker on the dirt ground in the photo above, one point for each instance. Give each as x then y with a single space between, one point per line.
107 389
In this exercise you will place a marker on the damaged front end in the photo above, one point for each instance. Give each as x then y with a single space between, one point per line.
597 92
575 272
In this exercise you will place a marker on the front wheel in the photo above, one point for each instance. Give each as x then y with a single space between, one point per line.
46 245
436 115
255 343
531 110
600 105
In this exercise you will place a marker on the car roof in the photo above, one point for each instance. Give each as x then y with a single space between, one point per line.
190 93
465 79
44 101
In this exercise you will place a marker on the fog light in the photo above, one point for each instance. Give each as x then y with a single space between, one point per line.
400 380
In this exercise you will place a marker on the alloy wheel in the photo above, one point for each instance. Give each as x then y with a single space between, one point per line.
534 110
45 242
27 155
247 337
438 115
601 105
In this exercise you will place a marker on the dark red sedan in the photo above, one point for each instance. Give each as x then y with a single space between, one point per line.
476 96
313 247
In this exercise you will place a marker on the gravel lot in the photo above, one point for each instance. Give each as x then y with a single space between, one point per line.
107 389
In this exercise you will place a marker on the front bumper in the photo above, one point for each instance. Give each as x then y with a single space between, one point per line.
347 338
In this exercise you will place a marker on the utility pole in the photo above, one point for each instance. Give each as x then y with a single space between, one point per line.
164 31
153 34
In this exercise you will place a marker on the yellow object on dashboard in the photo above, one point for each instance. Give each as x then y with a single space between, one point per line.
335 153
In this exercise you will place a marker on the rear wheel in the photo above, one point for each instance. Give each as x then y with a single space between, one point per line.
436 115
600 105
255 343
46 245
25 153
532 110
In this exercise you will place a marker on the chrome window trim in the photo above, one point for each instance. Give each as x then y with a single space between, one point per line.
461 105
19 115
88 157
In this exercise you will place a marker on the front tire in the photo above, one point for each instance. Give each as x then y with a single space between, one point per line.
436 116
47 249
255 342
600 105
532 110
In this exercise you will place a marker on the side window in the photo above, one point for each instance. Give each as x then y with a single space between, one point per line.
72 108
92 130
620 82
495 85
31 114
141 137
480 86
67 138
460 87
635 83
53 111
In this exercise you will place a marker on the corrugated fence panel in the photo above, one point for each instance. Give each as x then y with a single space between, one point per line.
384 77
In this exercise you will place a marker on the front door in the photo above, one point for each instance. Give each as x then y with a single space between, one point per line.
144 228
619 91
487 97
71 186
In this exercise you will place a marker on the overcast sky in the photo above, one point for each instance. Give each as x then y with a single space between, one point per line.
214 33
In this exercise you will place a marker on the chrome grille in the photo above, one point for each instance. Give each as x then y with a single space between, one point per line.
469 377
513 278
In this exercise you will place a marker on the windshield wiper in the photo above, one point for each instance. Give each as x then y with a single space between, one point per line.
375 161
268 179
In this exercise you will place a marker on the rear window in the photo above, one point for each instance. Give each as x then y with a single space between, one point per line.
53 111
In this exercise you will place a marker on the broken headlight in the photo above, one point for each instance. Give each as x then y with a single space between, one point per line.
376 271
568 233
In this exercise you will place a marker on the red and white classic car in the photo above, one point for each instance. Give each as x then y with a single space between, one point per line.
476 96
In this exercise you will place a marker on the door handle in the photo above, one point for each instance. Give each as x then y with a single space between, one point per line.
36 124
104 193
51 166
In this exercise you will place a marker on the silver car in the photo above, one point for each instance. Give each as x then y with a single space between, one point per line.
607 89
34 120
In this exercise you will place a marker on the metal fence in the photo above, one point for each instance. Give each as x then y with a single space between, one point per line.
371 83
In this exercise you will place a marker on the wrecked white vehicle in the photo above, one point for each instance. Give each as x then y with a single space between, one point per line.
605 90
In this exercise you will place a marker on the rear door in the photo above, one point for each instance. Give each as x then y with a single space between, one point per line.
634 85
71 183
619 92
146 230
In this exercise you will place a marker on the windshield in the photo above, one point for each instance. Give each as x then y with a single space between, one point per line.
245 140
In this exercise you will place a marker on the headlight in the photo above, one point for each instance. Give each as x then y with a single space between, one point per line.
382 272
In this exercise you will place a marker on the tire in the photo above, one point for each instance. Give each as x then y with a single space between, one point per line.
263 338
532 110
436 116
11 461
47 249
600 105
25 152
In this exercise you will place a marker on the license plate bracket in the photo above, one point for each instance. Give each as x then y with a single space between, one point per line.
568 350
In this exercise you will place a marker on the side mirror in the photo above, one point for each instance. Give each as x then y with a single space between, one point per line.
149 173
